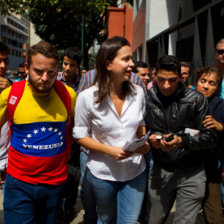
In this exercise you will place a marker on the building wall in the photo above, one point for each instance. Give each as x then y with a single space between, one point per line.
14 32
188 29
150 18
139 25
162 15
120 22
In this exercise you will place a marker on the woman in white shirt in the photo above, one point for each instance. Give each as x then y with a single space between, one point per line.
114 109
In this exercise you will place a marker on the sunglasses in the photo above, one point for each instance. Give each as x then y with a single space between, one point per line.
220 51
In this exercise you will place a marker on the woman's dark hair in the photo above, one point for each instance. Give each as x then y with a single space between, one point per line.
208 70
107 53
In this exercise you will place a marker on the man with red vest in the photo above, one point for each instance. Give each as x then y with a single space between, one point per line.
41 112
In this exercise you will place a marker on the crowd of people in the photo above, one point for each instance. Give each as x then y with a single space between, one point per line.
136 139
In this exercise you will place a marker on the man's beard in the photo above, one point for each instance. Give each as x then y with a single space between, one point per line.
35 87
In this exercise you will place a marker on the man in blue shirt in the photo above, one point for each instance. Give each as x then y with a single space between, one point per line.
71 66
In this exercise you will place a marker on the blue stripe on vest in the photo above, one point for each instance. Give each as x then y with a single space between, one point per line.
42 139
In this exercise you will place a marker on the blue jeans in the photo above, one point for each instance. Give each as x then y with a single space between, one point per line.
149 163
83 163
29 203
118 202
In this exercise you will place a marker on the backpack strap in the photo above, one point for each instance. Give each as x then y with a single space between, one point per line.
15 95
64 95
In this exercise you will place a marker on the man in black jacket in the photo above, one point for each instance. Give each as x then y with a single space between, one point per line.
174 114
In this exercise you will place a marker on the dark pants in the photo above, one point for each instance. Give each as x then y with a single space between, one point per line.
187 186
30 203
67 213
212 205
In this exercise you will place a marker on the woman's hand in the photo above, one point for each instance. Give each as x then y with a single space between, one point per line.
118 153
210 122
144 149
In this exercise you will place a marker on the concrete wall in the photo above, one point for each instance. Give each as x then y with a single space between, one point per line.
139 25
162 15
34 39
120 22
150 18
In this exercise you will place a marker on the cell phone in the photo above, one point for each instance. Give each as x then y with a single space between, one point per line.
159 137
169 138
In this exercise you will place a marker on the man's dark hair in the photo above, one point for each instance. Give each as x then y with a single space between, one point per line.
21 65
43 48
169 63
73 53
188 65
3 48
139 64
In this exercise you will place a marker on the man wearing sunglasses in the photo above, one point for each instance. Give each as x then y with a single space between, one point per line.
21 72
220 61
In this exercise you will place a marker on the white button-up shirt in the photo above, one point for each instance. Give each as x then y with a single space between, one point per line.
110 129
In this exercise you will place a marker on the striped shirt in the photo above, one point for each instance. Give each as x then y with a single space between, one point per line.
88 79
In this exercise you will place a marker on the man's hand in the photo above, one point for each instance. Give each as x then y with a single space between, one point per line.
153 140
165 145
210 122
4 83
144 149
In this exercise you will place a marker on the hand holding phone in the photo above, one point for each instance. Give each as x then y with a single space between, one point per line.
167 139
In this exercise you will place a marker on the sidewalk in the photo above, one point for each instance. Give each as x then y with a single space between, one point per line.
79 216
